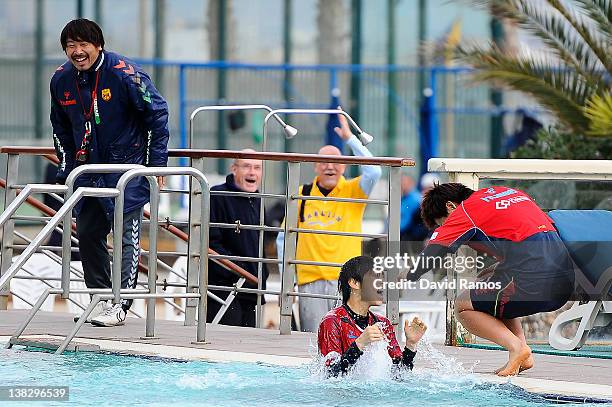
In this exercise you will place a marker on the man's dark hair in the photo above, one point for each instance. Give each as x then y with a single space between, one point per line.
82 29
434 202
354 268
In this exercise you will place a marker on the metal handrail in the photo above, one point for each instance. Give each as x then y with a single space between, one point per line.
49 227
236 154
70 180
150 174
24 195
291 158
228 265
364 137
351 200
48 250
290 131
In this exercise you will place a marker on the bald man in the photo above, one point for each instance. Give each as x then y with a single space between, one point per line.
328 215
245 177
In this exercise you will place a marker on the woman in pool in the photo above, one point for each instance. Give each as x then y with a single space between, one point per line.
347 330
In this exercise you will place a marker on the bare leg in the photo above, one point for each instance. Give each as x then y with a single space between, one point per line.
514 325
493 329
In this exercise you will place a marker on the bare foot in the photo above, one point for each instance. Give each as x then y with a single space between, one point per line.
499 369
515 360
526 365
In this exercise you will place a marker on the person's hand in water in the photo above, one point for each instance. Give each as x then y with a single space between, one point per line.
371 334
414 332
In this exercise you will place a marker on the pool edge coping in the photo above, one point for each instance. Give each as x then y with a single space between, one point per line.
545 387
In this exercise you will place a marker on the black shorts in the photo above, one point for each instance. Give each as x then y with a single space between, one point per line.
519 296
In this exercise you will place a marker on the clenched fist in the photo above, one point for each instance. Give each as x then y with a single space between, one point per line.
371 334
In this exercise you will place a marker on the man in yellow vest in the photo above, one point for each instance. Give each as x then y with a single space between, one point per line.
329 215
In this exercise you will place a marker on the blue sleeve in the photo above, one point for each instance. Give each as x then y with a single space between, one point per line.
146 99
409 205
370 174
280 242
405 216
63 140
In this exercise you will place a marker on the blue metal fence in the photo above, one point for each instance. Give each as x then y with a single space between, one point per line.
456 117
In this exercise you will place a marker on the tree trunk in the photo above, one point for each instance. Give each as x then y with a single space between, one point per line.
213 29
332 44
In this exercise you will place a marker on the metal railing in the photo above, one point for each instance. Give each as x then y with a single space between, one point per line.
8 217
131 171
291 197
197 282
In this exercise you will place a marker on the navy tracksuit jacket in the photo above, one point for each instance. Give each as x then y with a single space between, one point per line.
129 126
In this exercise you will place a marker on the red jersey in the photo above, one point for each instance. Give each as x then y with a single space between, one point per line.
496 213
507 224
338 331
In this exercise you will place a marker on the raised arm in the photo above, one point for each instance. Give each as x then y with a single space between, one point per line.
370 174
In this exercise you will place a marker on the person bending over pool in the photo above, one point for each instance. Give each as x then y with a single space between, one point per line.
533 273
347 330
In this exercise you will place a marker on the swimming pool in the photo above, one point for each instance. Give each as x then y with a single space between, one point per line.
109 379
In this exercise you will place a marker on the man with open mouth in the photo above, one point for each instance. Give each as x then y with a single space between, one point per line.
106 110
236 210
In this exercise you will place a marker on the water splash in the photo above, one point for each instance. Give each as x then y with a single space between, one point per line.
441 363
374 364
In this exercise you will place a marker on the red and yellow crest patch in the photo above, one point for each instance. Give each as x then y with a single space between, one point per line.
106 94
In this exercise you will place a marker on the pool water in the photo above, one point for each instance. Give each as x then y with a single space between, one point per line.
110 379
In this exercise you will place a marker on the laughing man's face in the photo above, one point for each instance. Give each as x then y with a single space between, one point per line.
328 174
247 174
82 54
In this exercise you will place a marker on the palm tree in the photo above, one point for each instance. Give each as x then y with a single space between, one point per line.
572 77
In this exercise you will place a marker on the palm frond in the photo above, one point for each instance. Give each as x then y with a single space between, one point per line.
600 11
559 38
598 110
564 35
597 44
560 90
564 79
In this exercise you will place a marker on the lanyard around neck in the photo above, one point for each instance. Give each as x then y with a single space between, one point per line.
93 97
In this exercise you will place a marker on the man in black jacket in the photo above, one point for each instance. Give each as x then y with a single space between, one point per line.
245 177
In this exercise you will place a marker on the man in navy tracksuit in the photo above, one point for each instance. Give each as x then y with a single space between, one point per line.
105 110
245 177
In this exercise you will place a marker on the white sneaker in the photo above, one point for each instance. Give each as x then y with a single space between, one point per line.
98 310
112 316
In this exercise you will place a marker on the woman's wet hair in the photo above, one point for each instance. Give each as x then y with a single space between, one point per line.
354 268
434 201
82 29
